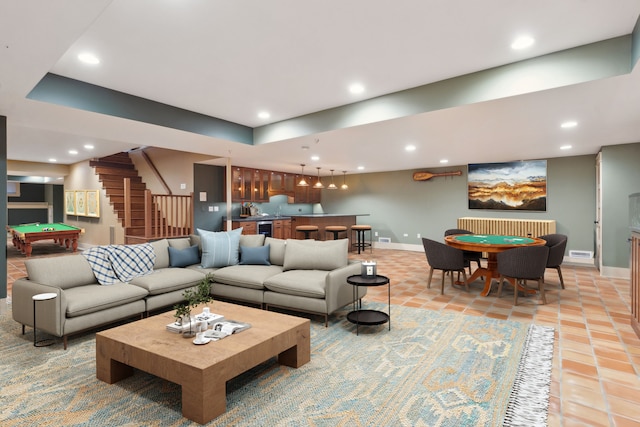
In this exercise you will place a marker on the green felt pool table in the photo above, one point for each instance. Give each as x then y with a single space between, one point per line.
62 234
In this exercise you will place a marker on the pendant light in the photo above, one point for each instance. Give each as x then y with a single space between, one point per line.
332 186
302 182
318 183
344 185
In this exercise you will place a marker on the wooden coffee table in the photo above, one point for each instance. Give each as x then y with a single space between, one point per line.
202 370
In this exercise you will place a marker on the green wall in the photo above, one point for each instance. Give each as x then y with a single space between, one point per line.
399 205
620 178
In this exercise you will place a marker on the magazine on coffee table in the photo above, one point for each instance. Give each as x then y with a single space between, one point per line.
225 328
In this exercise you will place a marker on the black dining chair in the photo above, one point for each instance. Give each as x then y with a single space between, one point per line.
445 258
557 243
469 256
521 265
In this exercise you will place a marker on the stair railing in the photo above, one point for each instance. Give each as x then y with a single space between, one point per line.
164 215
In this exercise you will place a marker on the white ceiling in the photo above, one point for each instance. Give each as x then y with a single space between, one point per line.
232 59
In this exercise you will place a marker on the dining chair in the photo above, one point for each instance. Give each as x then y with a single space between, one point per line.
557 243
521 265
469 256
445 258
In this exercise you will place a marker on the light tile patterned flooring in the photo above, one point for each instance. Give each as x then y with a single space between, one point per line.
596 363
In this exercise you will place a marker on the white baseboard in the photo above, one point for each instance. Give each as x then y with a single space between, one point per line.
616 272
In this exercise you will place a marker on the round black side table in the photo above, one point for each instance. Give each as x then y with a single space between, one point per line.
39 298
368 317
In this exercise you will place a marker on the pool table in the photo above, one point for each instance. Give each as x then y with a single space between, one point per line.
24 234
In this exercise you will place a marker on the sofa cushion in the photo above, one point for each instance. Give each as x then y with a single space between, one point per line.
254 256
162 253
180 242
316 255
183 257
130 261
304 283
245 276
276 250
61 272
252 240
87 299
168 279
220 249
98 258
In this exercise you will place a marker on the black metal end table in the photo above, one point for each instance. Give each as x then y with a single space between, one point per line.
368 317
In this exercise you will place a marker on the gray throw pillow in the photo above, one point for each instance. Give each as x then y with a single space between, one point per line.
254 255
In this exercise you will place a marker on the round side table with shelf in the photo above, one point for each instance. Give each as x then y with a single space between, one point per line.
39 298
361 316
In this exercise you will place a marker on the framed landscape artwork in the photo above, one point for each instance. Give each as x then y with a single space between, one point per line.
508 186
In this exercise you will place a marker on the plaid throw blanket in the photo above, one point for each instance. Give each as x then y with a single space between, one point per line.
120 263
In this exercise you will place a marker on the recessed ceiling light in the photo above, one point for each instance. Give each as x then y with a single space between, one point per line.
444 161
360 168
569 124
52 160
88 146
356 88
73 152
88 58
315 158
410 148
566 147
522 42
264 115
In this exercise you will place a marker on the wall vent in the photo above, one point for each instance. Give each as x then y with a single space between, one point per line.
581 254
384 239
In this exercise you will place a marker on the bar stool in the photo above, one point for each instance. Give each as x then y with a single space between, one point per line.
307 230
40 298
336 230
361 242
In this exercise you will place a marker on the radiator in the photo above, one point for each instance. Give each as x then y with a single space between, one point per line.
511 227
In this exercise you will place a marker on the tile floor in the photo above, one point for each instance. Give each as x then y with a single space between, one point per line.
596 364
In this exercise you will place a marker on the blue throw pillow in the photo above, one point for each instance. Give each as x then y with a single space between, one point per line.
183 257
220 249
258 255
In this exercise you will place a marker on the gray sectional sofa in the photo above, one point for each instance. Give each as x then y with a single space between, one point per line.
299 275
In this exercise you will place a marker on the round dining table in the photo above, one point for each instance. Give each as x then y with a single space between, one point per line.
492 244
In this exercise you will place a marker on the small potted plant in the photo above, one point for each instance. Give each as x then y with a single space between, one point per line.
200 294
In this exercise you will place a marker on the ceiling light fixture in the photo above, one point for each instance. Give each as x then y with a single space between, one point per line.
88 58
264 115
569 124
73 152
318 183
344 185
360 168
356 88
444 161
315 158
332 186
410 148
88 146
566 147
522 42
302 182
52 160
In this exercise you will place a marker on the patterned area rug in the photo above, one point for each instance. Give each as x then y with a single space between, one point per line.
431 369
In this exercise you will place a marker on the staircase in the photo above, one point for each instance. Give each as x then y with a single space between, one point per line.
111 171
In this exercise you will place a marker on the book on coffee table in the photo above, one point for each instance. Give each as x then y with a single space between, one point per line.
225 328
211 319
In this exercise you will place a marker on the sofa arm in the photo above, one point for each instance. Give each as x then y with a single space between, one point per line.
338 292
51 317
